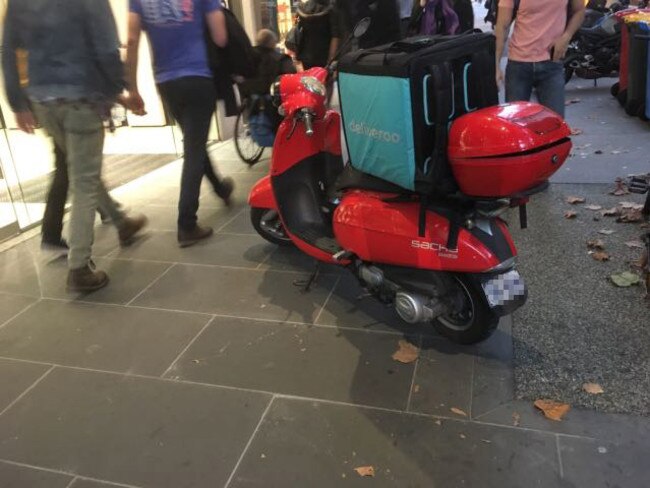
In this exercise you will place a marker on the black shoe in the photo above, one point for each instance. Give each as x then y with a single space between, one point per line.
59 246
86 279
188 238
225 189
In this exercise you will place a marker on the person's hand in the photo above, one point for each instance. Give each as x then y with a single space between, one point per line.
500 77
26 121
559 48
135 104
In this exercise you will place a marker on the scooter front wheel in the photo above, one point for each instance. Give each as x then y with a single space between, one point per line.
471 319
267 223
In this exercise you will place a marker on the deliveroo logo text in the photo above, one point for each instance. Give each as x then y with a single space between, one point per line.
376 134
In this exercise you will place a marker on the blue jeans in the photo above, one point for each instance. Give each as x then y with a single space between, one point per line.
546 77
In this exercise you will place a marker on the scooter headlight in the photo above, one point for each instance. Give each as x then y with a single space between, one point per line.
313 85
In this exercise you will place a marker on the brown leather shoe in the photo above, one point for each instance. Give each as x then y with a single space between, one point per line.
86 280
188 238
129 229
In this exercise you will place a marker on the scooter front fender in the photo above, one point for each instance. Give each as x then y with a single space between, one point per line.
261 195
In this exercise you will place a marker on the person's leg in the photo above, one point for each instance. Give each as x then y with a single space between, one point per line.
55 206
519 81
549 85
192 101
84 137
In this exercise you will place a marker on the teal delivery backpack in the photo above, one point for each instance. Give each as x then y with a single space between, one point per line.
398 101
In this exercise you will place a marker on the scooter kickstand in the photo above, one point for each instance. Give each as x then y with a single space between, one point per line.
305 286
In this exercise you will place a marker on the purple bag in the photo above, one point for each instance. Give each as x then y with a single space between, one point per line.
439 17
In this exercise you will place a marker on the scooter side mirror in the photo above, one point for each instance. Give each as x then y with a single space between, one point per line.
361 28
359 31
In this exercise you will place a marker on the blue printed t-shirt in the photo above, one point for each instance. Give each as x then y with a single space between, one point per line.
176 33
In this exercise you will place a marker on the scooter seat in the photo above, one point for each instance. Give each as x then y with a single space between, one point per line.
351 178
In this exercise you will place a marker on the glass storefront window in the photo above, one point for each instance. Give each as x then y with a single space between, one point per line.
276 15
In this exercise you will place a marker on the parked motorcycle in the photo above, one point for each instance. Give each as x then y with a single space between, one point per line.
446 260
595 50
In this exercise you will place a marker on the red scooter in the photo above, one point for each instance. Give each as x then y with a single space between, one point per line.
448 260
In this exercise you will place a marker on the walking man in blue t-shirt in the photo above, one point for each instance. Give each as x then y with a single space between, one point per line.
176 32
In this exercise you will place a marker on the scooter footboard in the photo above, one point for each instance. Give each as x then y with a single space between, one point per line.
504 292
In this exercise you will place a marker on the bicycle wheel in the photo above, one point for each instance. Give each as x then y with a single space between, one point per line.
247 149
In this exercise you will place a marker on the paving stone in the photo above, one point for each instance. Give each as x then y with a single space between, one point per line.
165 217
100 337
11 305
319 445
237 292
147 433
81 483
221 249
127 280
15 378
348 366
443 379
19 272
12 476
603 465
241 224
493 383
577 422
291 259
350 306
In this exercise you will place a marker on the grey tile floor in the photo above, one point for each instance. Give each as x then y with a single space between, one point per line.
207 367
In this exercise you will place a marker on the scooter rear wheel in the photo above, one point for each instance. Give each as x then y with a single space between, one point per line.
267 223
472 319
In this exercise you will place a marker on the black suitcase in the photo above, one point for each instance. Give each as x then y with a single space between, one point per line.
398 101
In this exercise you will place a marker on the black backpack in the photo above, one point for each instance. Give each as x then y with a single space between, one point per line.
238 57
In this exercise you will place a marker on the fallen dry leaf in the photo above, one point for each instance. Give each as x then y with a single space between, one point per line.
438 422
597 244
365 471
600 256
574 200
576 132
635 244
593 207
630 216
552 410
516 417
416 389
570 214
593 388
407 352
611 212
606 232
625 279
631 205
458 411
